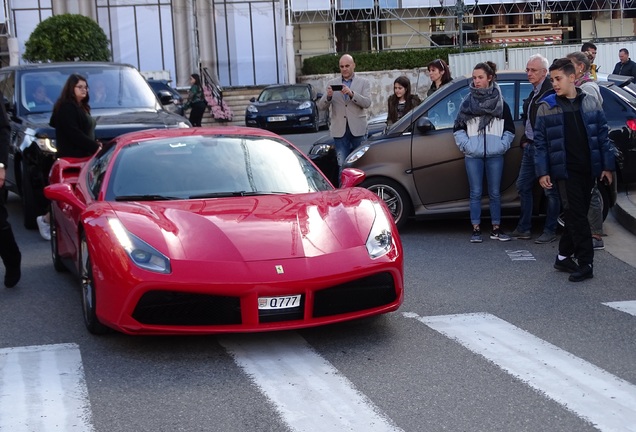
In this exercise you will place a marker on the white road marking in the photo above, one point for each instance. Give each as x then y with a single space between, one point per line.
520 255
308 392
42 389
623 306
605 400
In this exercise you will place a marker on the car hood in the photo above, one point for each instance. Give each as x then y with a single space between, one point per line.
113 122
253 228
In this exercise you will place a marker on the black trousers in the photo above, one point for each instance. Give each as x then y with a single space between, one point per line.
575 195
9 251
196 113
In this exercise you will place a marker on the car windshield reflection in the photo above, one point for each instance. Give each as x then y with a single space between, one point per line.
285 93
211 167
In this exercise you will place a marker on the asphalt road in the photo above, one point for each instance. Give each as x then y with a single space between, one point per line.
490 338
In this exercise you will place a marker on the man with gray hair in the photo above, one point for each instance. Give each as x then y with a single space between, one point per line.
537 71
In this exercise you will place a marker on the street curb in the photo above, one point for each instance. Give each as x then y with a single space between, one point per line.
625 210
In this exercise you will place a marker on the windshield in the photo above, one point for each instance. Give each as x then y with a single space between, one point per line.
211 166
285 93
108 87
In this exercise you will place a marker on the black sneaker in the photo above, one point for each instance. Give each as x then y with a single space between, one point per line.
476 237
498 234
585 272
567 265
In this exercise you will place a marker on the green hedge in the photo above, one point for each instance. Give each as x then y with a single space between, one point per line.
384 60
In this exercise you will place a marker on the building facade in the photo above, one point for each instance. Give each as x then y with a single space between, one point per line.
257 42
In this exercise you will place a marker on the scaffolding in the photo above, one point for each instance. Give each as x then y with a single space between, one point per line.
442 18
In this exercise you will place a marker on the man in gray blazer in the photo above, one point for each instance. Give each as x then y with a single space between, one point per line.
348 96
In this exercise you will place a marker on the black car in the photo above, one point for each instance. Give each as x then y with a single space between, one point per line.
29 92
416 167
169 96
286 106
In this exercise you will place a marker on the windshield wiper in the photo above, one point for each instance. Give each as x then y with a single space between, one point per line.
236 194
146 198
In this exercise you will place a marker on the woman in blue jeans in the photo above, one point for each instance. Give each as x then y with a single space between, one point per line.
483 131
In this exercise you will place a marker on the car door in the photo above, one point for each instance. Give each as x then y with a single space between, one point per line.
437 164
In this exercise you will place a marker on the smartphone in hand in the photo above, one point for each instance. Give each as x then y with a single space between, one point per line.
336 87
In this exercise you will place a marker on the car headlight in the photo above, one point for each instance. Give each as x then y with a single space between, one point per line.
320 149
252 109
357 154
140 252
304 105
182 125
46 144
380 238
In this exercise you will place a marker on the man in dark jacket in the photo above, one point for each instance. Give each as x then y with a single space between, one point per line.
625 66
9 251
572 149
537 70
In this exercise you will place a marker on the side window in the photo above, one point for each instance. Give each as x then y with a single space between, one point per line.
6 85
524 91
443 114
508 92
98 170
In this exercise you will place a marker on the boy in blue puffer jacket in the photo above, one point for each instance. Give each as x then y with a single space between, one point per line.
572 149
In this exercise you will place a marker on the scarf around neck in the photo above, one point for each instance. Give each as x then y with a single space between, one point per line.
586 77
485 103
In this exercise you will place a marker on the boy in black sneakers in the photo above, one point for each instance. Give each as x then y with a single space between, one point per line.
572 149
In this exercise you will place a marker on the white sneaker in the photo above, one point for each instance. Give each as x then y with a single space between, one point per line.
45 229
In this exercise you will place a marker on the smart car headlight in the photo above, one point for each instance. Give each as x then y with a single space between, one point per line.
182 125
140 252
252 109
380 240
357 154
320 149
304 105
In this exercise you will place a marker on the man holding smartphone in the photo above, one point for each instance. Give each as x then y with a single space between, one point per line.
348 96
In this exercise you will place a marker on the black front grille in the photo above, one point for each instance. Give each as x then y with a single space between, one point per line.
366 293
278 315
176 308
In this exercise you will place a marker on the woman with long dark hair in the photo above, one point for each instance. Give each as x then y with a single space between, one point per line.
483 131
196 100
439 73
74 130
401 101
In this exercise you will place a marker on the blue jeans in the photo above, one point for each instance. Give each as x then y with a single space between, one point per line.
345 144
525 185
475 167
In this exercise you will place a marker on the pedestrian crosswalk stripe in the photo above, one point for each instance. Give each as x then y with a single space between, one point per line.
603 399
308 391
623 306
42 389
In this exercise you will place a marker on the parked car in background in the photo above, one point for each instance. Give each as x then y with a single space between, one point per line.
206 231
129 105
169 96
287 106
417 169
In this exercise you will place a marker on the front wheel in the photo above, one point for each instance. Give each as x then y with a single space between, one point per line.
89 301
55 254
393 195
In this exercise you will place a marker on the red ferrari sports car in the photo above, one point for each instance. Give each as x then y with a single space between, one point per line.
205 231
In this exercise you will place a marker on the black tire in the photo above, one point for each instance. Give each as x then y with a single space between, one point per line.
89 305
316 126
393 195
29 207
57 259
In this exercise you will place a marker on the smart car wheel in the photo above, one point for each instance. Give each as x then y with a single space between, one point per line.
57 260
393 195
89 306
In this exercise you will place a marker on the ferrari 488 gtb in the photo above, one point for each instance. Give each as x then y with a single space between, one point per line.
219 230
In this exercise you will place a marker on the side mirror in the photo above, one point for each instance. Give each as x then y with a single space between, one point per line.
63 192
165 97
318 96
351 177
253 99
424 124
